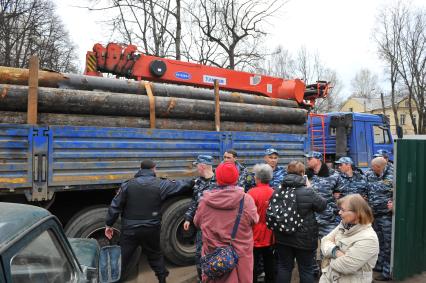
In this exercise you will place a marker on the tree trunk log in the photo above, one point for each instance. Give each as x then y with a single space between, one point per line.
66 101
9 117
72 81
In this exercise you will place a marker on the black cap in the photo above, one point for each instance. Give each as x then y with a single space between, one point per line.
147 164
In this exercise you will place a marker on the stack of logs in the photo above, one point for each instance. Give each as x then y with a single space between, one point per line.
78 100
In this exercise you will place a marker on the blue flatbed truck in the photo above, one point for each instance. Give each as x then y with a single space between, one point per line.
75 171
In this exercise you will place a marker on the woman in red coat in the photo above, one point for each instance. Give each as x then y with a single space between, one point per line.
263 237
216 215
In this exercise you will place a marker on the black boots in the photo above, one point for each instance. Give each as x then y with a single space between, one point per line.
162 279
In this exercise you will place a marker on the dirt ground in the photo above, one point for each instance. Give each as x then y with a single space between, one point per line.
188 274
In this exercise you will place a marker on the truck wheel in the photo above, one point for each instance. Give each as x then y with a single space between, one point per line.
90 223
177 244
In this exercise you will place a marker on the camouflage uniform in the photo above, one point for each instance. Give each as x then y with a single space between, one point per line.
245 179
357 184
201 185
278 177
379 193
325 183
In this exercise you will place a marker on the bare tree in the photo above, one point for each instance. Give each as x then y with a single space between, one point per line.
387 36
365 84
402 44
278 64
155 25
31 27
235 26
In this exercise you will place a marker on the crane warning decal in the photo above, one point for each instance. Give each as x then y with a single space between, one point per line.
210 79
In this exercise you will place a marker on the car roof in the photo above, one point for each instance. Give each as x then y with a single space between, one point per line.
15 219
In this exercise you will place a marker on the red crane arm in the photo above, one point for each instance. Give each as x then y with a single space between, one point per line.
125 61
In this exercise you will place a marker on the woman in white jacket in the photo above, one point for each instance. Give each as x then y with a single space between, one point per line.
351 249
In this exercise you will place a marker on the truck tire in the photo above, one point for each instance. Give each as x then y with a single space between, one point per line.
90 223
177 244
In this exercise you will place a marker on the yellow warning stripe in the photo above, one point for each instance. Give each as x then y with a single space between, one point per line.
91 178
91 63
13 180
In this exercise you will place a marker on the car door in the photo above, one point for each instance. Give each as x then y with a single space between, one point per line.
41 256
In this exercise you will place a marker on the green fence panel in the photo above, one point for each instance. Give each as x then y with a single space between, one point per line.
409 245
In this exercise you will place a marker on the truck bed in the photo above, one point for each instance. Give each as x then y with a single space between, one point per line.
71 157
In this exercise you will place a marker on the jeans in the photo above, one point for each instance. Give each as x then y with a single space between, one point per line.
304 258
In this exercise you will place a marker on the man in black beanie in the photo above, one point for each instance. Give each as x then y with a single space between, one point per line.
139 203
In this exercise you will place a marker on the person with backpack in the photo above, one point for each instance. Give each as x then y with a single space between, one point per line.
296 229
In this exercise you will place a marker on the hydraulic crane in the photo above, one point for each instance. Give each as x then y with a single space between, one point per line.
127 61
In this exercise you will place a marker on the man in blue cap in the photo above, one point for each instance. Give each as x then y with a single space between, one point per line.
205 181
324 182
279 172
350 181
380 194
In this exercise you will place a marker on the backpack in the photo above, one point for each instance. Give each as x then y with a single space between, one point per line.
281 215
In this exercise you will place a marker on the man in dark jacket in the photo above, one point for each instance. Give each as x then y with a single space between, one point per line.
303 243
139 203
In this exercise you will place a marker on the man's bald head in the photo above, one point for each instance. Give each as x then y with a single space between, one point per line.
378 165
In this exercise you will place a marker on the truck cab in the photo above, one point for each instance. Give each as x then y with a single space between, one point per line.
34 248
357 135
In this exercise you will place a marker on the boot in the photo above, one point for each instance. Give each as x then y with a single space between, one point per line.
162 279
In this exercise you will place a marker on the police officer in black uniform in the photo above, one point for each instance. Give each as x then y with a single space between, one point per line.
139 202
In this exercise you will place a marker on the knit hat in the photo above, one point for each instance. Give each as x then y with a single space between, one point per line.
226 174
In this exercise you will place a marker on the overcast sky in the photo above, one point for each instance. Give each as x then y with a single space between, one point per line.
339 30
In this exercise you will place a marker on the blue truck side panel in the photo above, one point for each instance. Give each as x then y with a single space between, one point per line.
85 156
16 156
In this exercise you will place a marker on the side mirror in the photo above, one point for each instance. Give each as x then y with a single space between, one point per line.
399 132
110 264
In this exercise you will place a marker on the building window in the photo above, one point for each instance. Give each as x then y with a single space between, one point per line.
402 119
407 104
414 119
351 109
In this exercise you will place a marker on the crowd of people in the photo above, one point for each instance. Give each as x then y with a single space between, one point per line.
347 211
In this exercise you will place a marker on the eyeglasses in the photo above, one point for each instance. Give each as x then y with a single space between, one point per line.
345 210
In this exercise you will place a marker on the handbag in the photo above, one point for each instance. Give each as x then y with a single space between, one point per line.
223 259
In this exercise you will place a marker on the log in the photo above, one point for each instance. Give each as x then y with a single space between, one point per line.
9 117
66 101
52 79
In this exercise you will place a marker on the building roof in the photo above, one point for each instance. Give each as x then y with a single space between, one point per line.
371 104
